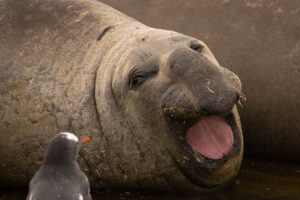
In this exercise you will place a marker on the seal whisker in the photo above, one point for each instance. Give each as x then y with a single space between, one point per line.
210 90
186 158
242 100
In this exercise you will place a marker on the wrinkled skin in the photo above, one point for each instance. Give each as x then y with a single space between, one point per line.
135 90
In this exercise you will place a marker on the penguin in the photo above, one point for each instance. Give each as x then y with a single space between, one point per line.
60 177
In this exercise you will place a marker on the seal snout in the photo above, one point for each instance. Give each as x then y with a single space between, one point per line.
220 104
202 96
203 88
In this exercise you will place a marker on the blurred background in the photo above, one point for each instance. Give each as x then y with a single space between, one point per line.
259 40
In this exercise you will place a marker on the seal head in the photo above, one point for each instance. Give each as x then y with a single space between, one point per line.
175 106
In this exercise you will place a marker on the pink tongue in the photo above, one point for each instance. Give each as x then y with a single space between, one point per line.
212 137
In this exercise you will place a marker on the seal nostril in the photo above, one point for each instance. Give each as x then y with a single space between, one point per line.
196 47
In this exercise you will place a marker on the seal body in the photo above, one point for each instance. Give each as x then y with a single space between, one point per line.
143 94
60 176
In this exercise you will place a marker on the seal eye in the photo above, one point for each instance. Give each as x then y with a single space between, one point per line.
137 81
138 77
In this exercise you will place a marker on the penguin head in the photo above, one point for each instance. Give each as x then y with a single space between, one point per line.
64 148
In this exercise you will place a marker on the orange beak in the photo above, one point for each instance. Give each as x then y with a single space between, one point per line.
86 139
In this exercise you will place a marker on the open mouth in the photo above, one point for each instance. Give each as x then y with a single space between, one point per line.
210 148
213 138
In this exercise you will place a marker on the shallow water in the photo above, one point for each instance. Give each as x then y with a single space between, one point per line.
257 180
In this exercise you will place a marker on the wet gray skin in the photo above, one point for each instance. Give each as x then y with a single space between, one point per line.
85 68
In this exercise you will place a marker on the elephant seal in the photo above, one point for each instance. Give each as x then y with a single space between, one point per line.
60 176
82 67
